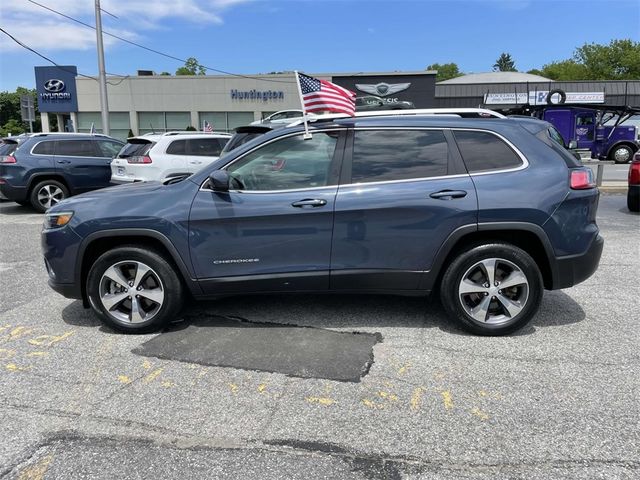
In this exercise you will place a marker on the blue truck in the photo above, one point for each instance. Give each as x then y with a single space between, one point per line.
600 129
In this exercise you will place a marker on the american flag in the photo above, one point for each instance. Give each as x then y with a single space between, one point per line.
207 127
323 96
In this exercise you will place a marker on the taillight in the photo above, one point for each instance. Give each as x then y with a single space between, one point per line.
8 159
139 159
634 172
582 179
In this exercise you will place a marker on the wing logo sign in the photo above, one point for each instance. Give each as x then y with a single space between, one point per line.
382 89
54 85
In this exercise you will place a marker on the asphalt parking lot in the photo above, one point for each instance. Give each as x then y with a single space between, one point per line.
559 399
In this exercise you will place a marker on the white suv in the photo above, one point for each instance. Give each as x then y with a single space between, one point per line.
162 156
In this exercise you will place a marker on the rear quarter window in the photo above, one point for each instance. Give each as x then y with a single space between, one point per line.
43 148
484 151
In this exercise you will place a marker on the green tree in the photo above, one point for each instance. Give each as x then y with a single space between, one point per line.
504 63
445 71
10 115
566 70
619 60
166 74
191 67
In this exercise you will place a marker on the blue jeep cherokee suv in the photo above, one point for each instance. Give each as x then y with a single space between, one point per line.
488 211
46 168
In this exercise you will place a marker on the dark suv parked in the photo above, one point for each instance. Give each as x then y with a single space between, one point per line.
488 211
46 168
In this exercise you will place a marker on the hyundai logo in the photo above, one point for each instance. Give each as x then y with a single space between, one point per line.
54 85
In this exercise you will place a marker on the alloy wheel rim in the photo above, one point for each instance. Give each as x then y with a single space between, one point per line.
622 155
50 195
131 292
493 291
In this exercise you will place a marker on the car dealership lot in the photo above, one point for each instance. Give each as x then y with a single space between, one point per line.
557 399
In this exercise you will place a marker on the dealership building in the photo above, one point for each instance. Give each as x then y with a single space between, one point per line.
156 103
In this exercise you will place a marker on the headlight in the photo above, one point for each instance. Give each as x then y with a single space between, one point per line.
56 220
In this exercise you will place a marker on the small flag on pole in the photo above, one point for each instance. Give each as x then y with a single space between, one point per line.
207 127
323 96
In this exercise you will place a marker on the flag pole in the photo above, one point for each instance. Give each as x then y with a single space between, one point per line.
306 135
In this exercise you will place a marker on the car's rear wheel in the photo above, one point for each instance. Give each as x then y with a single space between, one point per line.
492 289
46 194
134 289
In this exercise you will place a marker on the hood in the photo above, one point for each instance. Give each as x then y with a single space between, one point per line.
119 191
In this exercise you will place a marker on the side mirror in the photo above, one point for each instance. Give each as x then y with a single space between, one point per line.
573 144
219 180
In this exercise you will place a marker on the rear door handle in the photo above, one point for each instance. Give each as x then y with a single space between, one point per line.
309 203
63 161
448 194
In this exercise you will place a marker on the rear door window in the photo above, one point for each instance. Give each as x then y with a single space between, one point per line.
205 147
75 148
484 151
385 155
43 148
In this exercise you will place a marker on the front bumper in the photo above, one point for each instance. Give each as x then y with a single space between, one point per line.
68 290
575 269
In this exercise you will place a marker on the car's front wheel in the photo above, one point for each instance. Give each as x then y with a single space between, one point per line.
492 289
134 289
621 154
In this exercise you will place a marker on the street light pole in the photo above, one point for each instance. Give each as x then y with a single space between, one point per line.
102 77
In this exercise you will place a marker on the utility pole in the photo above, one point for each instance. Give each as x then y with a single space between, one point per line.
102 77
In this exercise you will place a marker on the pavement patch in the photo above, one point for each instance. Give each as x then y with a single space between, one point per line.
292 350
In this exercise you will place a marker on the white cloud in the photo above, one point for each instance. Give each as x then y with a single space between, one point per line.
45 31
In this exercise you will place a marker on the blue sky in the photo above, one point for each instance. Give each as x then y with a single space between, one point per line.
255 36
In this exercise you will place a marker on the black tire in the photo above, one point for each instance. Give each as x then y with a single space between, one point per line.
497 321
162 280
57 192
628 156
633 202
563 96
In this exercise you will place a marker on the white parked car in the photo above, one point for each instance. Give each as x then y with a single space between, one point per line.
166 155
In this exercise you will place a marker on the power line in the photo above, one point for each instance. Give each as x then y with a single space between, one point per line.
24 45
156 51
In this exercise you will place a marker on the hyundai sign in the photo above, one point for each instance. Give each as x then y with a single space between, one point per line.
56 88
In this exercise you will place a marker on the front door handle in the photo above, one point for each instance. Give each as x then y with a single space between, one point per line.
309 203
448 194
63 161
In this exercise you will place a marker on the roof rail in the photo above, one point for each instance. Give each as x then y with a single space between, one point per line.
480 112
191 132
43 134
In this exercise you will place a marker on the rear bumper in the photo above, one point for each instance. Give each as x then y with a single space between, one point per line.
9 192
575 269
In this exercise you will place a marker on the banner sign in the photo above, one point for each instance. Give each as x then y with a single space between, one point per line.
540 98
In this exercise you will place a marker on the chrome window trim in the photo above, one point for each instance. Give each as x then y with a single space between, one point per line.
524 165
41 154
293 134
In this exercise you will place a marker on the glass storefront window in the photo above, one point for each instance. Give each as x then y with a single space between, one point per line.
118 123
